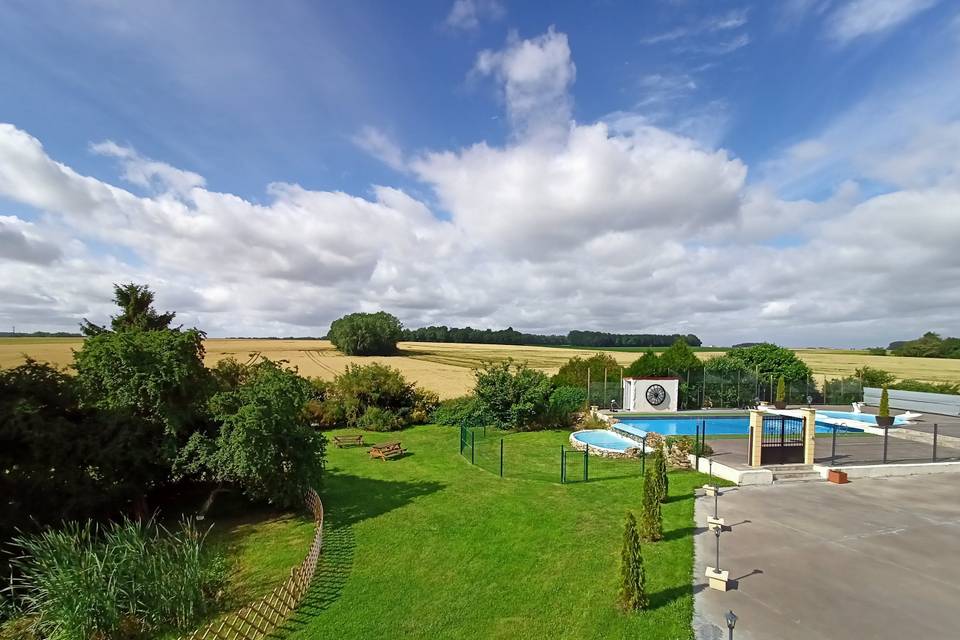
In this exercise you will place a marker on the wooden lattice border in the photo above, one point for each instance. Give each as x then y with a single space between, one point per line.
259 619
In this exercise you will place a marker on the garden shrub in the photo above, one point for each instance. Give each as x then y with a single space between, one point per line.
377 419
459 412
78 582
374 385
425 403
565 403
781 390
632 595
661 483
884 411
512 396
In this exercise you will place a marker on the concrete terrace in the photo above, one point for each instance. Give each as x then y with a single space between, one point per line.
876 558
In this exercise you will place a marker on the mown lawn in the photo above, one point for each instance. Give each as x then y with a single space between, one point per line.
429 546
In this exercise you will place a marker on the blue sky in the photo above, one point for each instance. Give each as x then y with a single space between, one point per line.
501 141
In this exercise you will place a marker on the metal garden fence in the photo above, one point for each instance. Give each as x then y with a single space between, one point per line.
704 389
845 447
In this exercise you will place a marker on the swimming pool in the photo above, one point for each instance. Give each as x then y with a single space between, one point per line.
687 426
604 439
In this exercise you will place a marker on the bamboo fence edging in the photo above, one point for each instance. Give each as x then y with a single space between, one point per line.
260 618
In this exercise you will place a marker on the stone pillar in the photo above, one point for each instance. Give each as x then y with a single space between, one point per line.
756 437
809 434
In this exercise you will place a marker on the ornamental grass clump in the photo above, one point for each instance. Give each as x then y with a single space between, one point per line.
632 595
81 582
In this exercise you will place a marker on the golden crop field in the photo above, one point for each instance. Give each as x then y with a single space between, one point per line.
448 368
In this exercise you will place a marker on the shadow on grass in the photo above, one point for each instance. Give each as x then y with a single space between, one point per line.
349 499
666 596
681 532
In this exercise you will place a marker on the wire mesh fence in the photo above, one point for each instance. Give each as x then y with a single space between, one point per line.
512 455
705 389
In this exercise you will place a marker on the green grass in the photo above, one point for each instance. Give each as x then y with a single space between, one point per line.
430 546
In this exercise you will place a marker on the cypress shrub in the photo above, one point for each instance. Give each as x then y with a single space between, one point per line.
661 481
781 390
651 518
632 595
884 411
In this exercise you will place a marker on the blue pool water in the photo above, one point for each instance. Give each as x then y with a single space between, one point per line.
687 426
604 438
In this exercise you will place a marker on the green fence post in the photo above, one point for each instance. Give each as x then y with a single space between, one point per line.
562 466
501 457
586 463
473 447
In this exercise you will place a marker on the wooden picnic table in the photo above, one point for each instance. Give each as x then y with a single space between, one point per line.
386 450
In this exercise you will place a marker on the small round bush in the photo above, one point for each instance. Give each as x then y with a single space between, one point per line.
377 419
458 412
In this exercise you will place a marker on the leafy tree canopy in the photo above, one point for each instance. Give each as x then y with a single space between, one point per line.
157 376
768 360
574 372
675 360
929 345
366 334
264 442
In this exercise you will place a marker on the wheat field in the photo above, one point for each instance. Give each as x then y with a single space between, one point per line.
448 368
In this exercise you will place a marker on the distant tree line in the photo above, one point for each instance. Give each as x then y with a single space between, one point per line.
39 334
573 338
929 345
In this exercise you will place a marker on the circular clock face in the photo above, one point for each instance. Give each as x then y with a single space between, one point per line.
656 395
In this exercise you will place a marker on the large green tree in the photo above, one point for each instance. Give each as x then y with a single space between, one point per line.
768 360
157 376
366 334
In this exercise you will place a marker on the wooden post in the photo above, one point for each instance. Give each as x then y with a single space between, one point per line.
756 437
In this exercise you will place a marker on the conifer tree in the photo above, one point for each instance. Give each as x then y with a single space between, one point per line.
632 595
651 518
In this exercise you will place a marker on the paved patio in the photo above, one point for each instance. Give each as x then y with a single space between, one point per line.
874 558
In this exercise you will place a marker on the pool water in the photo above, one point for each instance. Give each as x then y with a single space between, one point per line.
687 426
604 439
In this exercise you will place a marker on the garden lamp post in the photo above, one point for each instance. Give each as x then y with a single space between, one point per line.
731 622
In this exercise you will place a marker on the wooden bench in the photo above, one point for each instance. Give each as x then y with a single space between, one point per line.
387 450
348 441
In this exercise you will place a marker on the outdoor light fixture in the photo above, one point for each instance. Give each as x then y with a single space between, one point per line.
731 622
809 400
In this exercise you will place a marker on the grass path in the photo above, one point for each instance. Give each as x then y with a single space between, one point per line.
429 546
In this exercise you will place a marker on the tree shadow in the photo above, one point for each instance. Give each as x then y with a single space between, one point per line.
349 499
680 532
666 596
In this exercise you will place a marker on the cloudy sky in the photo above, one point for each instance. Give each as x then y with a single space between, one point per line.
786 171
